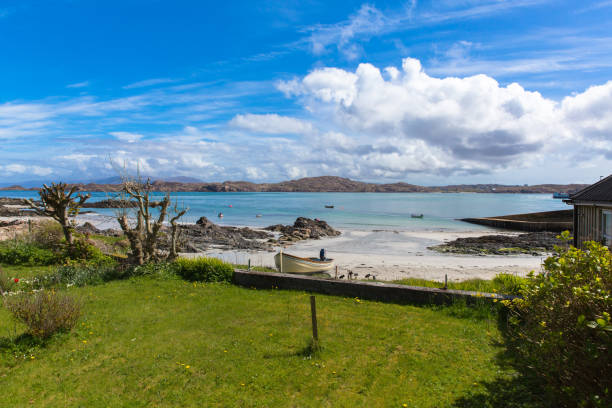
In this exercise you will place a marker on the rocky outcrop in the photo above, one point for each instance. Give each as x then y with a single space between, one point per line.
534 243
90 229
303 228
111 203
205 234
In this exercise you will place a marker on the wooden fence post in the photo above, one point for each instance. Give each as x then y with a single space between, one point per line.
313 312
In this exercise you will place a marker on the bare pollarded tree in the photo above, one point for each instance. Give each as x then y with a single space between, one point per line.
143 228
59 203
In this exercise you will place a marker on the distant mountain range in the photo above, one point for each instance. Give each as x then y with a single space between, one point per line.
327 184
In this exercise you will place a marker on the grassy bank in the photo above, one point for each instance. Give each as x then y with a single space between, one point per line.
147 342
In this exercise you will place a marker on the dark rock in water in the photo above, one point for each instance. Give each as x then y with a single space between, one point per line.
205 233
304 228
13 201
111 203
534 243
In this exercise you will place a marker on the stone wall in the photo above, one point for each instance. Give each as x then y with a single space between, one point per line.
385 292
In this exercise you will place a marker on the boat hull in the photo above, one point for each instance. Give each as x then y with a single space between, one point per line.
296 264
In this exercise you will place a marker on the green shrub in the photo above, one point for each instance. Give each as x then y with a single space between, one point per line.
23 253
561 330
81 274
6 283
163 270
204 269
82 250
44 312
508 284
46 234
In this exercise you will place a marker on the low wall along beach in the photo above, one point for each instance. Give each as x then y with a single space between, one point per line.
384 292
553 221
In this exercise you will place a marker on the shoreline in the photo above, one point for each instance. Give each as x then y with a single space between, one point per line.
388 254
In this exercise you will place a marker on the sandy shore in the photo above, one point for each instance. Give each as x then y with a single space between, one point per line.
386 254
393 255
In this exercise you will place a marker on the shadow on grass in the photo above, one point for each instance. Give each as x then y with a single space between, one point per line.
23 344
521 390
311 350
516 392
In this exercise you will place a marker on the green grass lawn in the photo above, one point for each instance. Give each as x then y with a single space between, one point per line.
26 272
146 342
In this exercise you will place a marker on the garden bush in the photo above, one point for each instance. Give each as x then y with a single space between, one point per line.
560 331
24 253
81 250
204 269
46 234
508 284
81 274
44 313
162 270
6 283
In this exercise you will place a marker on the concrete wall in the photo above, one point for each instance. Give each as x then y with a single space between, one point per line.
553 221
529 226
385 292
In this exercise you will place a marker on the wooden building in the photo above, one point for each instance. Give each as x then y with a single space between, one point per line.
593 213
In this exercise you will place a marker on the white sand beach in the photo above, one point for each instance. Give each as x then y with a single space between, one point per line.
391 255
386 254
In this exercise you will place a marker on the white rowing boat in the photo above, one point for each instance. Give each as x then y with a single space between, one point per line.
286 263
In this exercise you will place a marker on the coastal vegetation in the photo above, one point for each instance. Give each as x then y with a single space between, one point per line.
560 330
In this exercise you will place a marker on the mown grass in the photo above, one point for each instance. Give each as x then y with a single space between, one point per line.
502 283
146 342
25 272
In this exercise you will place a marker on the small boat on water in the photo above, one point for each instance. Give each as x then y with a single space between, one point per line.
258 215
416 215
329 206
286 263
220 215
561 195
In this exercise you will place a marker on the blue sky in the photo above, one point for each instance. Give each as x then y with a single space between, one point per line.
426 92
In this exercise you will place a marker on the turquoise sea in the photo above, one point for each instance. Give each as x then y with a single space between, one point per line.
351 210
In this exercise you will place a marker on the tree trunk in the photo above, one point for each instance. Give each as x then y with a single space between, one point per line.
68 234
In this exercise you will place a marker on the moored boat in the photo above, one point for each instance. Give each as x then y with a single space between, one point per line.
329 206
561 195
286 263
416 215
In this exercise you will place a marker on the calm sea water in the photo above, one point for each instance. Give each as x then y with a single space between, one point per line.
351 210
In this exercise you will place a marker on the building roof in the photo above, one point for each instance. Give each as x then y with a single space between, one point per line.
600 191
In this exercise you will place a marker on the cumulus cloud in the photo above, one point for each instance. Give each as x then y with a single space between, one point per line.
400 121
271 124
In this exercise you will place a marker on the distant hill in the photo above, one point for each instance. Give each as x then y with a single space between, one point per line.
16 188
336 184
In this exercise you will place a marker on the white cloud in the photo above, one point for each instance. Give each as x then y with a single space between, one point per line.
126 136
78 85
271 124
20 169
150 82
407 121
